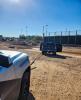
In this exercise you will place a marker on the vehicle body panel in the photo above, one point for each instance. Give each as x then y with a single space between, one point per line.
48 47
10 77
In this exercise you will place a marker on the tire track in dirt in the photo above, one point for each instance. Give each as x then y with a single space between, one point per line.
40 80
56 79
50 84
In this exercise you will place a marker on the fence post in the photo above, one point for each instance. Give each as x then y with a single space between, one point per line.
49 37
55 36
61 38
76 38
68 37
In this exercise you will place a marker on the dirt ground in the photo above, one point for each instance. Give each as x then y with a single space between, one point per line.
75 50
55 77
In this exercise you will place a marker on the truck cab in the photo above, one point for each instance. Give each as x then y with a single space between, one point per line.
48 47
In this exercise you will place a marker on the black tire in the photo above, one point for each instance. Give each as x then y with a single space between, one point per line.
25 84
54 53
43 53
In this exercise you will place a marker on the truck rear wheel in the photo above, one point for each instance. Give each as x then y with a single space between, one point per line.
54 53
43 53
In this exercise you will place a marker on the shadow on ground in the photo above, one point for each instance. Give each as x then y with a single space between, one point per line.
33 68
30 97
27 97
56 56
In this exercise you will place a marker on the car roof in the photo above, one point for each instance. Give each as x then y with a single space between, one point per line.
9 53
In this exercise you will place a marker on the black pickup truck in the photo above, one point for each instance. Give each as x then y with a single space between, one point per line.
49 46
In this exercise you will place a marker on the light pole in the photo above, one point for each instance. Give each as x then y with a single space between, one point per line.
46 29
43 31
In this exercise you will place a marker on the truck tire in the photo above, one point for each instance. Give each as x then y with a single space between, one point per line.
54 53
25 84
43 53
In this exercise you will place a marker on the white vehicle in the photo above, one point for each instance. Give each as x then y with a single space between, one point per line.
14 75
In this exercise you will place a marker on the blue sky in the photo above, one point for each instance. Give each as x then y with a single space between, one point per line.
15 15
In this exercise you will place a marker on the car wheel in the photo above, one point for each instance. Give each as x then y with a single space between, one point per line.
25 84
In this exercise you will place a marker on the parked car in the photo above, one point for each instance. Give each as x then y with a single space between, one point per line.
14 75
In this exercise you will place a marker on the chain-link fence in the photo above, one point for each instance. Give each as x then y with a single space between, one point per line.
72 38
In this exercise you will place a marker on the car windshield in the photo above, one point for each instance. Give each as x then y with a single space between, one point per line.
4 61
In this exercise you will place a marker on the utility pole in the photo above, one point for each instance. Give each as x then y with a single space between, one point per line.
26 30
49 33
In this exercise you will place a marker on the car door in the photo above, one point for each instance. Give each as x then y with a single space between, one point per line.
7 83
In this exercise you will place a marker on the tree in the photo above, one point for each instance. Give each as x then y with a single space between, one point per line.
22 36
